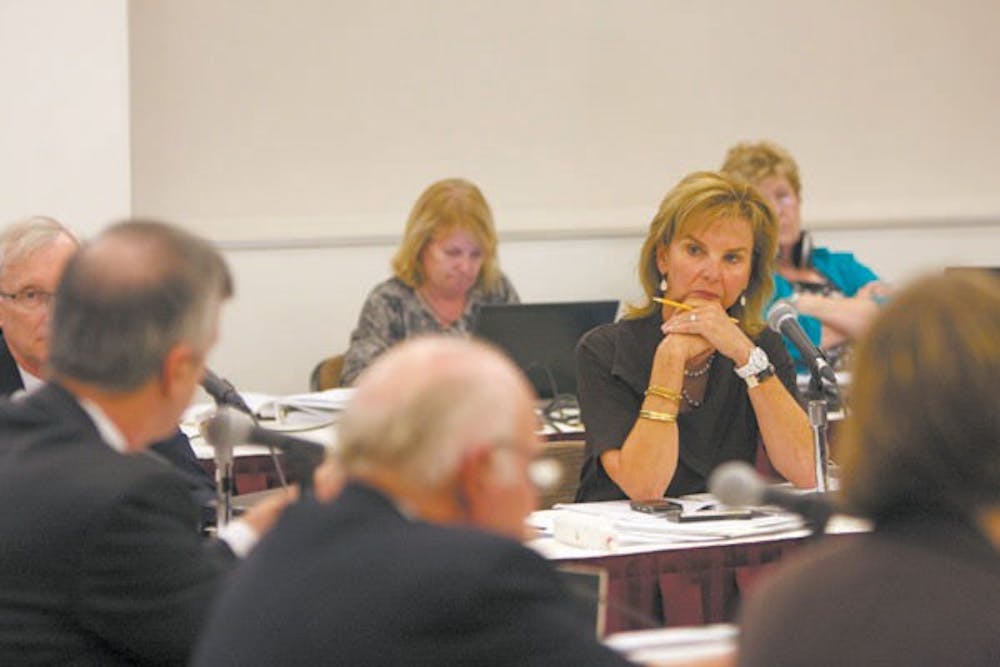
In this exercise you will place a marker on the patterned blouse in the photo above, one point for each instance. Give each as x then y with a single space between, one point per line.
393 312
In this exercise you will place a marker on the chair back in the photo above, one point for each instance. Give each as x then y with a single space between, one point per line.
569 454
326 374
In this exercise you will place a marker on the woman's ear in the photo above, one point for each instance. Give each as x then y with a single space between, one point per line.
661 258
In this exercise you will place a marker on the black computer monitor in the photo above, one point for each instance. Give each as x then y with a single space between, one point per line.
541 337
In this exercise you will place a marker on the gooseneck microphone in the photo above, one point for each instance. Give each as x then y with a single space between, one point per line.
228 428
223 392
782 317
737 483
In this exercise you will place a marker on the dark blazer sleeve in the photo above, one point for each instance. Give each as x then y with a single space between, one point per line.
147 577
177 450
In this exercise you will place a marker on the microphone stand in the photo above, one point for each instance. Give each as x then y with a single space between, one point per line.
818 421
224 393
223 485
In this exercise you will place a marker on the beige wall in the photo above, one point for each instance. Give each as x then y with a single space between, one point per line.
299 132
296 305
64 124
270 119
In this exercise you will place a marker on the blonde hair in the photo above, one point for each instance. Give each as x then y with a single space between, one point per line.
445 207
698 199
924 433
756 161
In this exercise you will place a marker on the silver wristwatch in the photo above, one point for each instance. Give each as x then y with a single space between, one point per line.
758 363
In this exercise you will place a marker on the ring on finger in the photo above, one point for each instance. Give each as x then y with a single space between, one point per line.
693 317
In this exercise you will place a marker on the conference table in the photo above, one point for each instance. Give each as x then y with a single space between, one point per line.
671 583
665 583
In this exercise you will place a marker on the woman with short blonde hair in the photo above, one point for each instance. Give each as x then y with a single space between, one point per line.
691 378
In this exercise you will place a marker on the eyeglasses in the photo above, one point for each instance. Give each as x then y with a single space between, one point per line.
29 298
543 472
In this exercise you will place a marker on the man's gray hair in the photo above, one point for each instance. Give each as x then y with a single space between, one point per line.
424 403
23 237
127 298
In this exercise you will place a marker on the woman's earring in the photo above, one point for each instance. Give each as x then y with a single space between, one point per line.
663 284
743 300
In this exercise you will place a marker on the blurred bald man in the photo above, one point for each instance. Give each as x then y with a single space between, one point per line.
33 255
102 562
418 560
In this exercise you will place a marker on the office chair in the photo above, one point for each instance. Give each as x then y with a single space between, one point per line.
326 374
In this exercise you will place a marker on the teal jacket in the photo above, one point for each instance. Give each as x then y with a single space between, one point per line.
843 270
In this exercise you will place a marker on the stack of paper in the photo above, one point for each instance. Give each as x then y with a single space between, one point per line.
268 406
634 528
292 413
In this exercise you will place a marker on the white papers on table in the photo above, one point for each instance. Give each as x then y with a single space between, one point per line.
311 415
637 528
321 402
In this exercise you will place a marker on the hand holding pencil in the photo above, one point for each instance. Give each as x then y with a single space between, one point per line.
681 306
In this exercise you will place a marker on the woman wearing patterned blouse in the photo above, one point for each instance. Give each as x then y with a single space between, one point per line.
445 267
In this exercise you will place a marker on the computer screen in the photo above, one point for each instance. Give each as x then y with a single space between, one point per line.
541 337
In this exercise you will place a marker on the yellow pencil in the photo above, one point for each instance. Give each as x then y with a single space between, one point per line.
682 306
675 304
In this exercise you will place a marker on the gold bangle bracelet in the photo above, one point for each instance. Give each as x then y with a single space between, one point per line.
658 416
663 392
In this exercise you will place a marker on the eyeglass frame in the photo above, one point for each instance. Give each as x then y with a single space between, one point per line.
544 471
28 298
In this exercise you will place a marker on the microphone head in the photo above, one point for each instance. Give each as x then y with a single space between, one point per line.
226 428
736 483
215 386
780 311
223 392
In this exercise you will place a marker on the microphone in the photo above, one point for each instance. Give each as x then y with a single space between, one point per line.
781 317
737 483
228 428
223 392
225 482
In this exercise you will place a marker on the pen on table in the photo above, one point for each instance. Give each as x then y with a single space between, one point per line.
681 306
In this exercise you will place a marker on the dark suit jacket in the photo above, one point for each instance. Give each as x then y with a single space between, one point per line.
922 591
101 559
176 449
10 377
357 583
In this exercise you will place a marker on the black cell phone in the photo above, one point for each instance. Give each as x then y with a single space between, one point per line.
711 515
655 506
